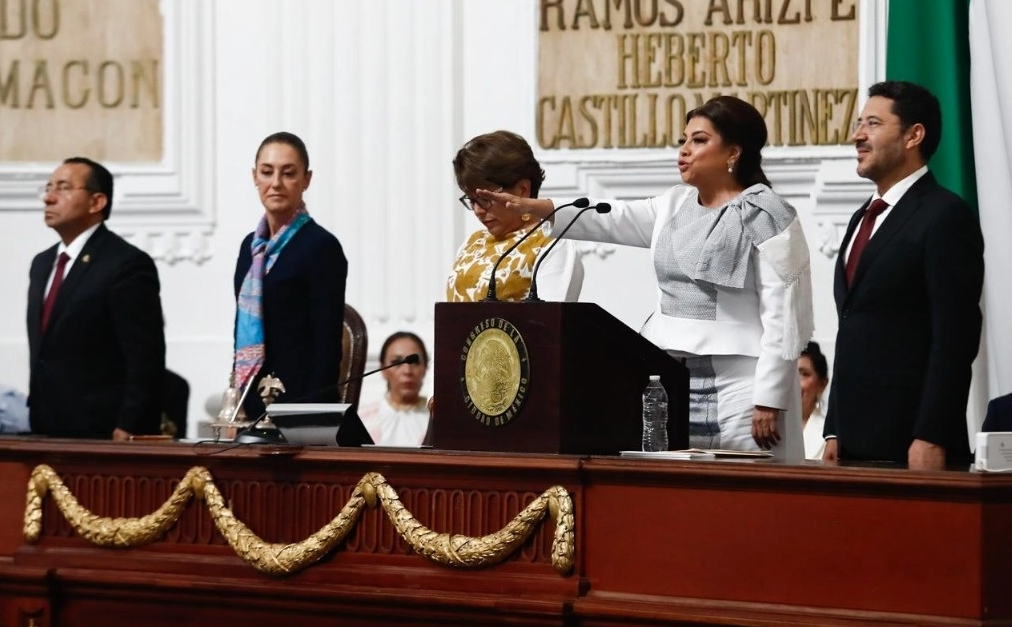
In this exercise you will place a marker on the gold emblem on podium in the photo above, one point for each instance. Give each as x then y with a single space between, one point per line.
495 372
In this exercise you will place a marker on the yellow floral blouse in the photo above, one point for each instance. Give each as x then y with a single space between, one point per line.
468 282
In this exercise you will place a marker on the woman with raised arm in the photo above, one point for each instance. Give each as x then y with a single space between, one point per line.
732 265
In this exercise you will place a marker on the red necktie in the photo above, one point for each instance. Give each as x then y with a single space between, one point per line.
47 308
873 211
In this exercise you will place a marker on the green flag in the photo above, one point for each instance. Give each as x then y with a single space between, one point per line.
928 43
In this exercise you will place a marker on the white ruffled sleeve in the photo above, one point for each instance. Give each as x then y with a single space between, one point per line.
787 256
560 277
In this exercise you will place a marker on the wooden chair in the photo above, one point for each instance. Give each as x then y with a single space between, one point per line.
353 355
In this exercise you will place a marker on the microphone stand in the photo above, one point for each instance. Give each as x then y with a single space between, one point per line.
242 399
228 417
532 294
490 296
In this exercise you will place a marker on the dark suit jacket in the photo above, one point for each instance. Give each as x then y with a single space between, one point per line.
175 401
101 361
909 329
999 414
303 310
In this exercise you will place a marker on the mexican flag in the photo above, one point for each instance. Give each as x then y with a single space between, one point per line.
991 96
928 44
962 52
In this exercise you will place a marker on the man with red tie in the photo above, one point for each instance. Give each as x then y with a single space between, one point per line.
907 288
95 335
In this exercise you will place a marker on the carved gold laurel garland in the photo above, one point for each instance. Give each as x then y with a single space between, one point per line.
282 559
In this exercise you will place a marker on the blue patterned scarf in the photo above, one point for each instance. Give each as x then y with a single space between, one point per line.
249 320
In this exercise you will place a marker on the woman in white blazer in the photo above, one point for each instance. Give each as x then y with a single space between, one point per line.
734 280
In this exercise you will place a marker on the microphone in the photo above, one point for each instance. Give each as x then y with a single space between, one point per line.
254 435
579 202
532 295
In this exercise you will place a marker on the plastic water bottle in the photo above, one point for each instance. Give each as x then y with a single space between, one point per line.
655 416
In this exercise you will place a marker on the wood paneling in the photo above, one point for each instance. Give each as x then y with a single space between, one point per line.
662 543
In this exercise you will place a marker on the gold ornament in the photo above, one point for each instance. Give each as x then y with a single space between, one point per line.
496 372
285 559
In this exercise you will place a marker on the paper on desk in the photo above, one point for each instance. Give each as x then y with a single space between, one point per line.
687 454
694 453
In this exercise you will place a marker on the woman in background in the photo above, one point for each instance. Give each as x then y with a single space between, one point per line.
401 417
504 162
732 267
814 372
289 286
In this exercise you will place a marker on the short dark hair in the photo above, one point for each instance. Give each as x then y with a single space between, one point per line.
400 335
738 123
914 104
814 353
290 139
502 157
99 180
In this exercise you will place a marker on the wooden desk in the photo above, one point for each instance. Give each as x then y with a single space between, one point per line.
676 543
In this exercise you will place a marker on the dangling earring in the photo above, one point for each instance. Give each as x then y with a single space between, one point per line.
730 166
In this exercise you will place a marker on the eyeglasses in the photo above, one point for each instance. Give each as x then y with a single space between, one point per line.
469 203
870 125
63 189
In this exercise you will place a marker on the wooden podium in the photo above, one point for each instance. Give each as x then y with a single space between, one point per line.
580 388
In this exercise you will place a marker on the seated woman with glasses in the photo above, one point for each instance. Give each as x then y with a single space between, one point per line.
504 161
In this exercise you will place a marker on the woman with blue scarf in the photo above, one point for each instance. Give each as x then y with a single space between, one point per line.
289 286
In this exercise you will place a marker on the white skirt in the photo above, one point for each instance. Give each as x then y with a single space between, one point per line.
721 405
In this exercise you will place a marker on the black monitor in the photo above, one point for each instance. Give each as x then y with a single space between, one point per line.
323 424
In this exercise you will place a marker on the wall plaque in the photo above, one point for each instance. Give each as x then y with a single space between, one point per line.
81 77
623 73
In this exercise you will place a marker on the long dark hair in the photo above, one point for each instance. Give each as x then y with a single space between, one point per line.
400 335
738 123
819 363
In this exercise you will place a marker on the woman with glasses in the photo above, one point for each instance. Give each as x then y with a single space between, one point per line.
289 286
732 265
504 162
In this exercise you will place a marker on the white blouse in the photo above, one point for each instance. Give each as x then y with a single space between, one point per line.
389 426
815 444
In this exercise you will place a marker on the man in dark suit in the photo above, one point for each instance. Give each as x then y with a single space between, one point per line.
95 333
907 287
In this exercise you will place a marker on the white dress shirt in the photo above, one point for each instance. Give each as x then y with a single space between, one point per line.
892 196
73 251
